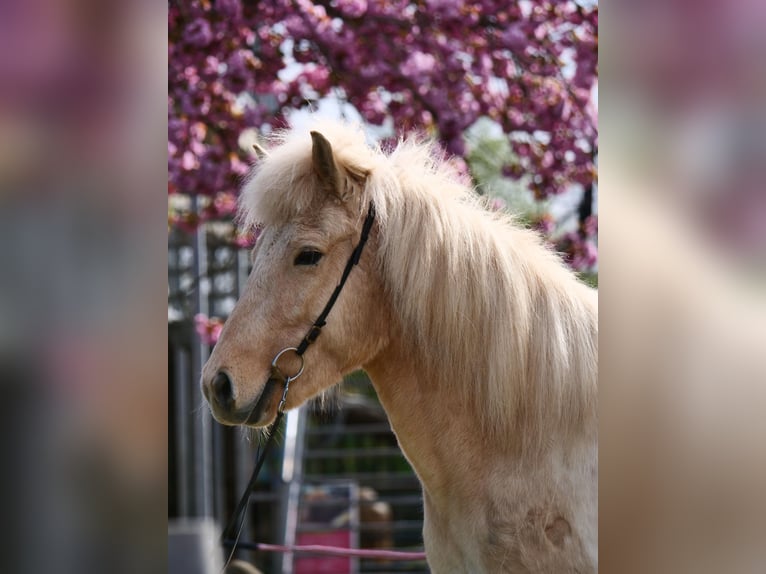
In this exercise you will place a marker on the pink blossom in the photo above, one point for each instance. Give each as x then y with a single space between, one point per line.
246 239
591 226
208 328
199 33
230 8
445 8
514 38
225 204
188 160
581 253
418 64
353 8
545 224
435 69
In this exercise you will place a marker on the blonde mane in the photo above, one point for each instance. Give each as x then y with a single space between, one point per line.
497 316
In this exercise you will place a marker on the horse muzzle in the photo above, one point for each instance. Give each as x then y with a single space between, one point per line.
219 393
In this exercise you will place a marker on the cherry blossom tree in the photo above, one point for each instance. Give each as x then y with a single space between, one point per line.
436 66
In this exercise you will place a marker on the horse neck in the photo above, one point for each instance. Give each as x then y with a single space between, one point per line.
444 437
437 433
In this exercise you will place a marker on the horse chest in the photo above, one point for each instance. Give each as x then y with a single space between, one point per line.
448 541
519 530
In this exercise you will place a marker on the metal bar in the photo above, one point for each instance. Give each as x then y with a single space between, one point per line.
243 269
263 496
292 472
218 470
365 478
373 428
354 522
372 527
184 450
388 567
203 467
373 452
392 500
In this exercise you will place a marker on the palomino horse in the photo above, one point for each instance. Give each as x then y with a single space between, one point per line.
481 345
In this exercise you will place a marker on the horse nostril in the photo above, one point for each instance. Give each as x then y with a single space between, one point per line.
221 389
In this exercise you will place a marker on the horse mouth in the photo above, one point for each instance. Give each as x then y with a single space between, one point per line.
260 414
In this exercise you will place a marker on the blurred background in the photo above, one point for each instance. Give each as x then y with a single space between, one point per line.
510 91
82 233
683 263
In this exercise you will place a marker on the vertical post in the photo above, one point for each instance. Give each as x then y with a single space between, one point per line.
202 425
354 521
292 478
184 449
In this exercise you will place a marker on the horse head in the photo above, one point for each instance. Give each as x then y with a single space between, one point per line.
310 200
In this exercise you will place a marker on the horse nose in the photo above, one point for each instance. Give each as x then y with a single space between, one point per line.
221 390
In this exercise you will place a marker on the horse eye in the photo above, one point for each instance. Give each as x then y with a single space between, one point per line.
308 257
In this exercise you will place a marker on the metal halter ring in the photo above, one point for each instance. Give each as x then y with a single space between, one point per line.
282 352
288 378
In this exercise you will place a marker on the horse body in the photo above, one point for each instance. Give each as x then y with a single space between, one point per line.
489 506
480 344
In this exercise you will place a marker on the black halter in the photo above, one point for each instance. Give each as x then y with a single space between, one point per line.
316 328
231 533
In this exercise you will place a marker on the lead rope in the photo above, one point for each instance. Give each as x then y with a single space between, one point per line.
237 520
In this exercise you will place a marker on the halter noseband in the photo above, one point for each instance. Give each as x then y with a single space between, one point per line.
237 519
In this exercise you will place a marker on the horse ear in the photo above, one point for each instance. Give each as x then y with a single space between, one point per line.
259 151
324 162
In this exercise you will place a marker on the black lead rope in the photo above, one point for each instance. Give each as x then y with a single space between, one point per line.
230 535
233 530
